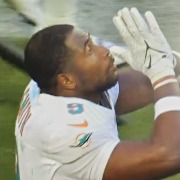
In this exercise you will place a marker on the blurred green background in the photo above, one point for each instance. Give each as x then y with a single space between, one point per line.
12 83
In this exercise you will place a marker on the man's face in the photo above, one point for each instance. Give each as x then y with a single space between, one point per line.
92 64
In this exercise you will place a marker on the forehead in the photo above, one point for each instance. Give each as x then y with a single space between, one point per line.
77 38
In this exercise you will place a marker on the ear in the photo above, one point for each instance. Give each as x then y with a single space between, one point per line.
67 81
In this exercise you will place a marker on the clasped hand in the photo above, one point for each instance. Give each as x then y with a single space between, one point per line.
147 49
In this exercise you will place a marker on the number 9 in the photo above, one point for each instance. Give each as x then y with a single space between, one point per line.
75 108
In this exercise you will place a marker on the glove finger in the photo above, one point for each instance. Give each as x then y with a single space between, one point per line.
176 57
156 32
139 21
120 54
153 25
131 26
123 30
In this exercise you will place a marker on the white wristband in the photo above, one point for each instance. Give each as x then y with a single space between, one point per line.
170 103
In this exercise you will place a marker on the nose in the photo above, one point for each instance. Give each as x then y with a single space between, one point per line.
105 51
111 57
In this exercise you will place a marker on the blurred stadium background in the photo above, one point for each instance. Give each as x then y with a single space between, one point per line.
96 18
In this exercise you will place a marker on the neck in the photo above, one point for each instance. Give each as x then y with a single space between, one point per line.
93 97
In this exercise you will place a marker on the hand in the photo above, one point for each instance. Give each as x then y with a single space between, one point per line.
116 52
148 50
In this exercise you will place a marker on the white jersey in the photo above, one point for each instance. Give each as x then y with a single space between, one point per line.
60 138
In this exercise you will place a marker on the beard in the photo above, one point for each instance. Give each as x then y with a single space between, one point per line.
97 85
107 85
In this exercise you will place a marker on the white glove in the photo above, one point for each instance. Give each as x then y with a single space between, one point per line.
176 57
116 53
177 65
148 50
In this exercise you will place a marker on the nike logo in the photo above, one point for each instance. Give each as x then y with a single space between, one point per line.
147 48
149 66
80 125
150 48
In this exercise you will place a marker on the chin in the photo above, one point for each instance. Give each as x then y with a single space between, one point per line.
113 83
108 85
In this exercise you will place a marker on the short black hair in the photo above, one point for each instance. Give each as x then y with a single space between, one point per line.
46 53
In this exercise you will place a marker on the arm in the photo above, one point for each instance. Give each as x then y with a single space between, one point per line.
154 158
135 88
135 91
158 156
